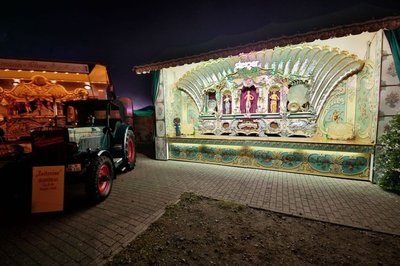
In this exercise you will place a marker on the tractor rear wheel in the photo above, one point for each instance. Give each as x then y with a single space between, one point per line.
129 151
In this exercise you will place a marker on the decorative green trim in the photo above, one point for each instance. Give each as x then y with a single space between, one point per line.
278 144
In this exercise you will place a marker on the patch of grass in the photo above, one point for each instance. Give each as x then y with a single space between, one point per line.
190 197
185 200
231 205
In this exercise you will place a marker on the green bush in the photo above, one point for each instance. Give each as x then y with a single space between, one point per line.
388 157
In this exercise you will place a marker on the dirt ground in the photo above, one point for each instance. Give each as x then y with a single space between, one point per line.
202 231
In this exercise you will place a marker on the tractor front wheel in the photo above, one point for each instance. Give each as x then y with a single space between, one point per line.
100 178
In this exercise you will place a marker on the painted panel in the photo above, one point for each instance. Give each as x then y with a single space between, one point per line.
291 160
366 107
208 153
389 75
228 155
334 109
336 112
160 93
161 149
383 126
321 162
192 152
160 128
192 114
160 114
354 165
175 151
389 100
264 158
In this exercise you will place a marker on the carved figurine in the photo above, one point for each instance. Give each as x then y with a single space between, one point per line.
227 103
28 107
249 99
177 123
39 106
274 102
336 116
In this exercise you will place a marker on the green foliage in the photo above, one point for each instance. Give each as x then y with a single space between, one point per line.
388 157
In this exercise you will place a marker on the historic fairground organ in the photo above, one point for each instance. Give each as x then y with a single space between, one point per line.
258 101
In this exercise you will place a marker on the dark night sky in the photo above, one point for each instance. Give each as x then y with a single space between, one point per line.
122 34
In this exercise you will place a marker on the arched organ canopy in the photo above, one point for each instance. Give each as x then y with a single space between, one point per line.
272 92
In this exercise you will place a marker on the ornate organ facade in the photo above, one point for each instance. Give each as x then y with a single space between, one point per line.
309 108
281 95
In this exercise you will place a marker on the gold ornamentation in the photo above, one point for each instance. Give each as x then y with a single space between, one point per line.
39 80
40 88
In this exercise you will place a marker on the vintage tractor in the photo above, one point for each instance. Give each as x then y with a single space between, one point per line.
66 114
94 144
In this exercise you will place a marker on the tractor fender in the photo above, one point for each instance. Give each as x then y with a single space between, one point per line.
124 147
120 133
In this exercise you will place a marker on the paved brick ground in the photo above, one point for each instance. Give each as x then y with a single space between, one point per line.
84 235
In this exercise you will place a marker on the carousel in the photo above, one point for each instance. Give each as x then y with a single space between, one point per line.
32 93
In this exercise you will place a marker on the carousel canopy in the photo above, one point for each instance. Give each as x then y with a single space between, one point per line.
11 68
353 20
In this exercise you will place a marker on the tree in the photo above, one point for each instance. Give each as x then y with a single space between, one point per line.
388 157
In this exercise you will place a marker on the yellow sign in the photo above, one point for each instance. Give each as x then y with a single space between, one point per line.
48 188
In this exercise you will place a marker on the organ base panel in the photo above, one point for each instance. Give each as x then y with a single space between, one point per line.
328 158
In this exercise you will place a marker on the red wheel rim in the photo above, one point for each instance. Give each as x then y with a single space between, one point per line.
131 150
103 184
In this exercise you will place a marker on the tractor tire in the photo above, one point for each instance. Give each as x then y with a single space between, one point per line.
129 151
100 179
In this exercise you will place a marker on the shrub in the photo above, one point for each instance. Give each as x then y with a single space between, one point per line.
388 158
